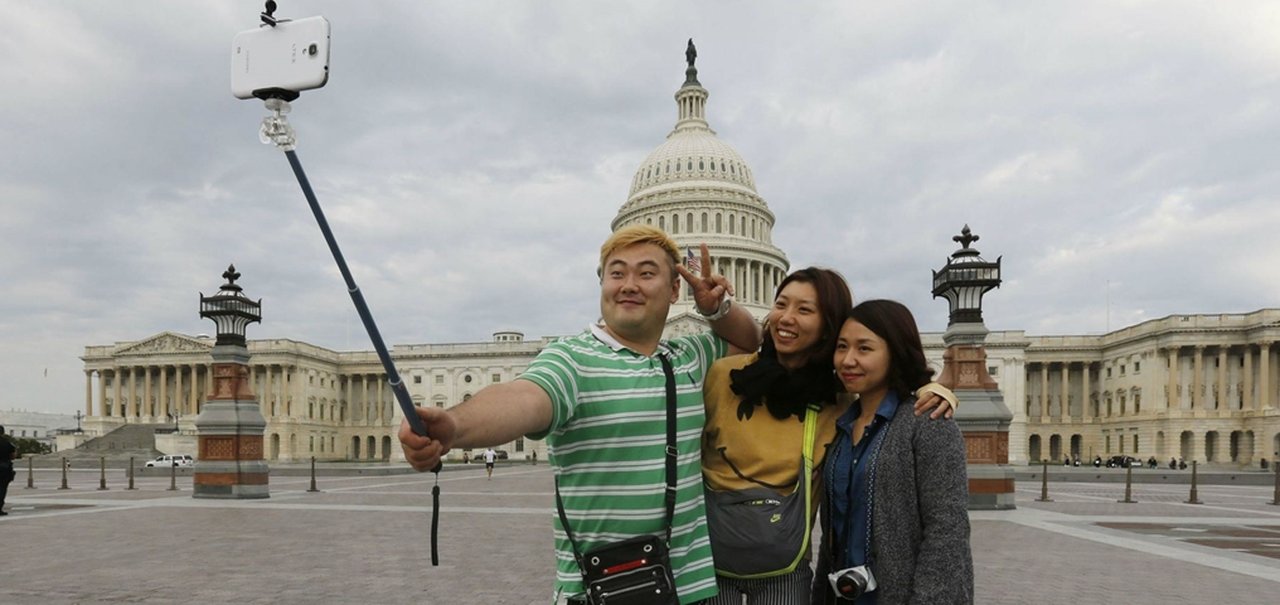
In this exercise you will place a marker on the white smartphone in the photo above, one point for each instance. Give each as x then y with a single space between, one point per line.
286 59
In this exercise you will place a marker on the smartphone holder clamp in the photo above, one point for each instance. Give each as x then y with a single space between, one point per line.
268 15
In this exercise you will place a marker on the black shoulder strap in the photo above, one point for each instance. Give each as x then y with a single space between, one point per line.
672 451
672 454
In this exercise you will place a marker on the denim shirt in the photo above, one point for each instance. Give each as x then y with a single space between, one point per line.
849 476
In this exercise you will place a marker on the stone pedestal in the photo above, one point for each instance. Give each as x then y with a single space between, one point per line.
66 443
230 463
983 418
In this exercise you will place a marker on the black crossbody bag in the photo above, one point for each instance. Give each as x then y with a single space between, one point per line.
635 571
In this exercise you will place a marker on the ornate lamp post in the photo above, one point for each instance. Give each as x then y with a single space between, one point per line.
983 416
230 426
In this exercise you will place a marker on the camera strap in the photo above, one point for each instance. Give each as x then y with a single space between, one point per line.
671 455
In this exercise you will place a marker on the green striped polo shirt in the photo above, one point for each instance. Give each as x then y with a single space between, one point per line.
607 443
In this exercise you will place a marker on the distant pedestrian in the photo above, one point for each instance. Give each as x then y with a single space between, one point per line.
1173 464
535 457
1264 464
7 454
489 457
1182 464
1097 461
1151 462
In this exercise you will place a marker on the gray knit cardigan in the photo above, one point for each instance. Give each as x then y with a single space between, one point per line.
920 521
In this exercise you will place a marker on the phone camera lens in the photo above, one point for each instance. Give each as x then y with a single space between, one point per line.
313 50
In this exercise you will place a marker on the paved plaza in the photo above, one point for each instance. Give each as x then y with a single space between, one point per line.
365 539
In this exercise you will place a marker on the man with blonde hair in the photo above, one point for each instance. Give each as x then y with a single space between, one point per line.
600 400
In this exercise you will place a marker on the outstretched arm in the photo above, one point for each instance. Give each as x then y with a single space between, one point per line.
497 414
737 326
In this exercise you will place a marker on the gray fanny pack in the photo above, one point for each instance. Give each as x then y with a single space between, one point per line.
757 532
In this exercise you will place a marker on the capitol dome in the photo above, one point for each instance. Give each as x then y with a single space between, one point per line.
692 155
700 190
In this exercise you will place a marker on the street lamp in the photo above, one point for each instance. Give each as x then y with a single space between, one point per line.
230 426
983 416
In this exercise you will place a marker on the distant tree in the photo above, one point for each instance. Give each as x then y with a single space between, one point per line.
27 445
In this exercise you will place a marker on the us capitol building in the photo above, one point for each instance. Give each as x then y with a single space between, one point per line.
1197 387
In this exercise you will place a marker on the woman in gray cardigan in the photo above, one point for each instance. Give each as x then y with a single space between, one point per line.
894 512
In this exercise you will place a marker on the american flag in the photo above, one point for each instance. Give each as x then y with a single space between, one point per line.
692 262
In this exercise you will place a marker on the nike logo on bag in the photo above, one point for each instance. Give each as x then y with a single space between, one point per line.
775 518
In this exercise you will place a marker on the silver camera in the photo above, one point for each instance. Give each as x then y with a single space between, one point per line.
852 582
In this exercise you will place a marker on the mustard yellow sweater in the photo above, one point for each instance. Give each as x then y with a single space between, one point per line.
762 447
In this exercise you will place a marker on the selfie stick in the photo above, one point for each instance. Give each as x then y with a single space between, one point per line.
276 129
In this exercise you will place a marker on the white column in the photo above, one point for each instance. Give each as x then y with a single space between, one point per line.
133 392
1222 378
295 391
1044 393
1265 398
382 399
194 394
349 403
88 392
1064 409
115 403
1197 379
102 394
1246 396
1173 400
179 398
147 407
164 402
1085 400
364 398
269 393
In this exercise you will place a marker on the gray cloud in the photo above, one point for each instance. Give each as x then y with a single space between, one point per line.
471 155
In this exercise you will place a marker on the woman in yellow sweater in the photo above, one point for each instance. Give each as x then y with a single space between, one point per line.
762 410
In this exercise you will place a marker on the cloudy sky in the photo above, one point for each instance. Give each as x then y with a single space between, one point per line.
470 156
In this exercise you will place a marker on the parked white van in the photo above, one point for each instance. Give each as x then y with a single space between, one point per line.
174 460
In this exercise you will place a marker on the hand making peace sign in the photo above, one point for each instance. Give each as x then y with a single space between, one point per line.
708 289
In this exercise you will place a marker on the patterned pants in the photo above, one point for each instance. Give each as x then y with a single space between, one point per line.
791 589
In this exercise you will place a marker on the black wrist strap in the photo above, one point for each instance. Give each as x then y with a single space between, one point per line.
671 458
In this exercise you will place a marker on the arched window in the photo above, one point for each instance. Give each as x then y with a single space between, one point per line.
704 222
718 230
688 220
662 223
731 224
675 223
